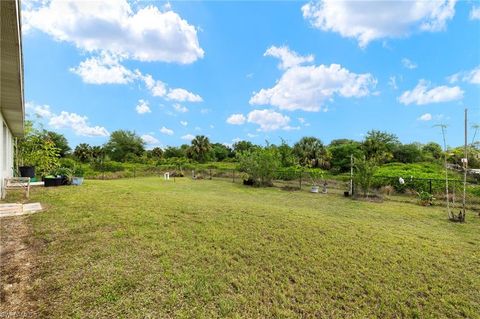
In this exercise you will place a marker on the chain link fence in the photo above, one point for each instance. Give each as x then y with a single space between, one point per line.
384 187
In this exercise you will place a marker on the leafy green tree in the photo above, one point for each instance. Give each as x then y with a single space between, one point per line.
285 151
97 153
364 171
261 164
34 149
200 148
174 152
243 146
83 152
311 152
340 152
221 152
156 153
408 153
59 141
380 146
432 151
124 145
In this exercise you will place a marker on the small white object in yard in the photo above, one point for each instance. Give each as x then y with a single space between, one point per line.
401 181
166 176
464 160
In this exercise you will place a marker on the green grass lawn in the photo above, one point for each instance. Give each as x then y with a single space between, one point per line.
147 248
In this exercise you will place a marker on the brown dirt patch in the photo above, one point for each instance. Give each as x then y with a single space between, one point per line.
17 266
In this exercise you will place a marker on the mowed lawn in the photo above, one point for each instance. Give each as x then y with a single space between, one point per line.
148 248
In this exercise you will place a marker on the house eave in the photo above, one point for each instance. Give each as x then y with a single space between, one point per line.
12 103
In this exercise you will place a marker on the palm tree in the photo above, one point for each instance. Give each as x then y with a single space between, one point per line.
311 152
200 148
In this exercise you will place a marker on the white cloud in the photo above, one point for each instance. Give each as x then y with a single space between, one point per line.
472 76
77 123
149 139
146 35
156 87
392 82
475 13
105 69
180 108
184 123
236 119
423 94
287 57
268 120
188 137
42 111
205 111
142 107
251 135
425 117
166 131
182 95
74 121
308 87
367 21
408 64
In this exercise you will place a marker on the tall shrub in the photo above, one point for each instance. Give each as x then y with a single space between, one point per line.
260 164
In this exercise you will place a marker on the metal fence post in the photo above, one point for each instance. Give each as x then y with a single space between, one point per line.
430 184
300 182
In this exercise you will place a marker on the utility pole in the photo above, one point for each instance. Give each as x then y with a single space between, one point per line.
465 167
443 126
351 174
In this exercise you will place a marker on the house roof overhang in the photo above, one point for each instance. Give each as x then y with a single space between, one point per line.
12 104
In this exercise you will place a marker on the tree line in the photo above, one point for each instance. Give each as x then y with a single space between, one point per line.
382 147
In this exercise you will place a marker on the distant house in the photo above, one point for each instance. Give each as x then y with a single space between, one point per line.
12 107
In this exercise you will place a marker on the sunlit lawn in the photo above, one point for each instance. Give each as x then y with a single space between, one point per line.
147 248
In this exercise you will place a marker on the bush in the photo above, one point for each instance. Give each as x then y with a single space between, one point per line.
260 165
425 198
107 166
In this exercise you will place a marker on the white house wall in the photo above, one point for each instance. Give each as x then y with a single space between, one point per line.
6 150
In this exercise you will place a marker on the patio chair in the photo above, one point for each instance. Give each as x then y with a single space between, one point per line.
12 183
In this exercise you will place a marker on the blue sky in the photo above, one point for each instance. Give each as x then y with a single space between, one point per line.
252 70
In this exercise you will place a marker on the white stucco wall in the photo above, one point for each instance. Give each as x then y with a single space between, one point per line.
6 150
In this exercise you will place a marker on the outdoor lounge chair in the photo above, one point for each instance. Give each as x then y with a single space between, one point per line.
12 183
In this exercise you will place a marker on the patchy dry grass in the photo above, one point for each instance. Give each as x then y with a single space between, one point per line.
143 248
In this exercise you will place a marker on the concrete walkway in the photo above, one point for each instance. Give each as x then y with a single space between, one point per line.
7 210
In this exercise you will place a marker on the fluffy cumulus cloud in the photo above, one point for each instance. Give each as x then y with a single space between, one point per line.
188 137
166 131
142 107
425 117
182 95
183 123
150 139
104 69
475 13
112 26
308 87
269 120
107 69
78 123
287 57
472 76
42 111
423 93
236 119
367 21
